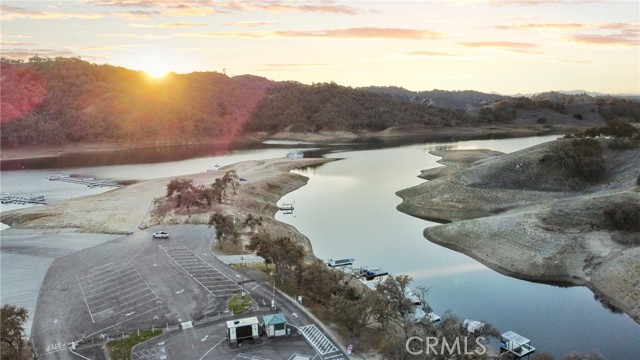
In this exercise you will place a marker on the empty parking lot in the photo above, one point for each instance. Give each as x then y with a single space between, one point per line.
207 276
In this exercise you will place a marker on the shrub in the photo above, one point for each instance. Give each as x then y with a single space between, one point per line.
623 215
580 159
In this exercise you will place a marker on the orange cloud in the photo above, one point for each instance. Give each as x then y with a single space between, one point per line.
614 39
431 54
350 33
364 33
330 9
535 27
519 47
14 12
612 34
183 7
249 23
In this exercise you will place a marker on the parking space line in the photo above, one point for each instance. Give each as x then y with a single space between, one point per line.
122 322
101 271
116 293
95 283
208 351
85 299
119 297
126 302
205 274
127 310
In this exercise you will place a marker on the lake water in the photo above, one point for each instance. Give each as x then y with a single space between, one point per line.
348 209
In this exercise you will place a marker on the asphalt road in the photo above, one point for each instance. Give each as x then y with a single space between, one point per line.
137 282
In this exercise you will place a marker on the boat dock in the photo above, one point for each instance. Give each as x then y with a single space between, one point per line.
23 200
516 344
371 274
87 181
341 262
286 208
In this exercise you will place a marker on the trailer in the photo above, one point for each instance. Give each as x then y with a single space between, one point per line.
243 329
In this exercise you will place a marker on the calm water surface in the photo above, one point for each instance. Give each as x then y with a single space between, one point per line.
348 210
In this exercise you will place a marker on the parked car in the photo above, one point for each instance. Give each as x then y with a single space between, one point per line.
160 235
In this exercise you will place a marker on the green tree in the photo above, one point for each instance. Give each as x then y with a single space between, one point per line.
12 331
252 222
225 227
231 178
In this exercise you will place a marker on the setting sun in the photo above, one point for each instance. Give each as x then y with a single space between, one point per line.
156 72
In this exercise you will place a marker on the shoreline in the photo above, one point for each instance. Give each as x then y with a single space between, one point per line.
321 138
536 234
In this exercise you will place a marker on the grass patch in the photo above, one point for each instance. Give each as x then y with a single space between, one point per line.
121 349
239 303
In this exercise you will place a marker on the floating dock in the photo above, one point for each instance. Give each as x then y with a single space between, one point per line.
87 181
341 262
516 344
23 200
371 274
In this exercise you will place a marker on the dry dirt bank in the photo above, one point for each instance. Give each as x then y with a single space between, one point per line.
124 210
249 139
512 214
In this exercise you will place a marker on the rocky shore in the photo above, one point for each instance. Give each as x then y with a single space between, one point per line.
512 214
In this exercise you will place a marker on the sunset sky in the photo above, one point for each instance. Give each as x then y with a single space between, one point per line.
507 46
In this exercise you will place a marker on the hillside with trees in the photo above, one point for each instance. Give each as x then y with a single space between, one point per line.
66 100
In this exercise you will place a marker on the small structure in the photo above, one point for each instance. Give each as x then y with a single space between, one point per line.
471 326
295 155
516 344
286 207
23 200
371 274
275 324
243 329
341 262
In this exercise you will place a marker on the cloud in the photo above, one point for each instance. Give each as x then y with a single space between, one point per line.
182 25
612 39
183 7
367 33
288 67
349 33
518 47
14 43
430 54
324 7
612 34
141 26
541 2
14 12
542 26
25 54
249 23
134 36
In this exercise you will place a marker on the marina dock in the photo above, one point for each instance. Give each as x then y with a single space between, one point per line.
23 200
87 181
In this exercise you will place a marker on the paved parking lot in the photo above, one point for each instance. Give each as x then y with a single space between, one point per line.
115 292
202 272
